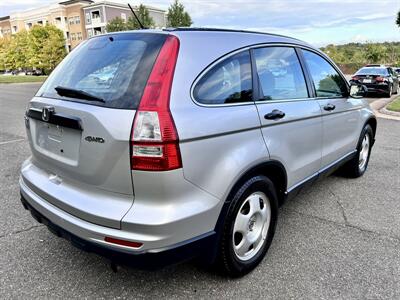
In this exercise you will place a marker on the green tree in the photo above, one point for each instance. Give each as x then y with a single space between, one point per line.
46 47
375 53
116 24
398 19
177 16
4 50
144 17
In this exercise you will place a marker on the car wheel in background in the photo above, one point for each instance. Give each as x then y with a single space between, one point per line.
390 91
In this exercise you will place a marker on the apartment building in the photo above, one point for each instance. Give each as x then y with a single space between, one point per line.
98 14
66 15
5 26
78 19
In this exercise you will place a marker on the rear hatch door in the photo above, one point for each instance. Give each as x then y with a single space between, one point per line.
79 126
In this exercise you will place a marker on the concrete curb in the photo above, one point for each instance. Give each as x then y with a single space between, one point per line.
379 107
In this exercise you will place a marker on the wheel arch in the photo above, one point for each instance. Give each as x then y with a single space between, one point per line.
274 170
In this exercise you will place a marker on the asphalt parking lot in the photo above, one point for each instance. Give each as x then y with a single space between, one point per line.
338 239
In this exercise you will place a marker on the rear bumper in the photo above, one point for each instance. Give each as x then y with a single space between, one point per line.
203 246
166 211
377 88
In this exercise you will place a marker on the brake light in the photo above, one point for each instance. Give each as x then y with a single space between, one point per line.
379 79
155 142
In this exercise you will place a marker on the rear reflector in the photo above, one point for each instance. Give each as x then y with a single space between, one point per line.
155 142
123 242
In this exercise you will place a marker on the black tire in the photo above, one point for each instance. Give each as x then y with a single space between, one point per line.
389 92
352 168
227 261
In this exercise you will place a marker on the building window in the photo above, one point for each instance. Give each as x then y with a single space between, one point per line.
58 20
79 36
73 38
71 21
90 33
14 29
40 22
123 16
88 18
67 35
77 20
96 17
28 25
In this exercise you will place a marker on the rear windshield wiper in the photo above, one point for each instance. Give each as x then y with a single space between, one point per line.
73 93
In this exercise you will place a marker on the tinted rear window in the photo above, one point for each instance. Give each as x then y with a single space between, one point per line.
373 71
114 68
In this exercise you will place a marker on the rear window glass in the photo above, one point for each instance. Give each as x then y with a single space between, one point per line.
227 82
114 68
372 71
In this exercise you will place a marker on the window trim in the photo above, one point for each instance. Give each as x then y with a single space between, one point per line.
297 47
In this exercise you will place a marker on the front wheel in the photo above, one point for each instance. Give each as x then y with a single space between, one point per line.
249 227
358 165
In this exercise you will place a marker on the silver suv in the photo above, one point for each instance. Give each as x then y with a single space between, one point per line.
151 147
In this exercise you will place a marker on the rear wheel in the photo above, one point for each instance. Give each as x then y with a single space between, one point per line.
390 91
249 227
358 165
398 89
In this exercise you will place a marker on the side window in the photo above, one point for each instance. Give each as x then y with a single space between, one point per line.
227 82
327 81
279 73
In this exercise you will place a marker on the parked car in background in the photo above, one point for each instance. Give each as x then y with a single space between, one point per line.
397 70
156 146
378 79
36 72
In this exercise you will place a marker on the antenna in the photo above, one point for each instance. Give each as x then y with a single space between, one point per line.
136 17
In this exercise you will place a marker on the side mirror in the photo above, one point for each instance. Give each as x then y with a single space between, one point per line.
358 91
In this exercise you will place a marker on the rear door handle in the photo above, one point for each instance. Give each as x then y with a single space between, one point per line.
329 107
274 115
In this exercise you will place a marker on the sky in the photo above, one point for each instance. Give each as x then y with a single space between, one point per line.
319 22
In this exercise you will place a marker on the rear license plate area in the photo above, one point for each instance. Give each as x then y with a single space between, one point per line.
57 142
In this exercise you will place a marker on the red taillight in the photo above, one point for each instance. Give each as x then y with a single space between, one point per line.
123 242
379 79
155 143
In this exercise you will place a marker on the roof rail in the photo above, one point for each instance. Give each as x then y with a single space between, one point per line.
224 30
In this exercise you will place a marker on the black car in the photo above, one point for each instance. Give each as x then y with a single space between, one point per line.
378 79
